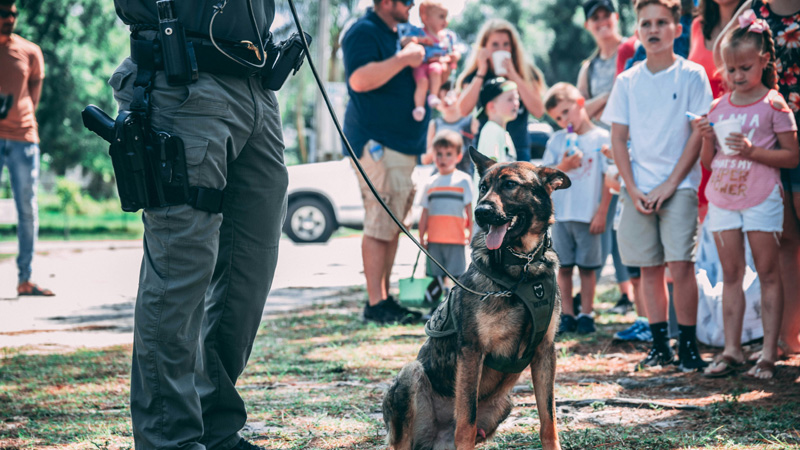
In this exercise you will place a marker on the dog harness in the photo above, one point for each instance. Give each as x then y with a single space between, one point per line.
536 293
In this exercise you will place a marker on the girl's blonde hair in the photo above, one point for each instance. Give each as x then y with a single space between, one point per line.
526 69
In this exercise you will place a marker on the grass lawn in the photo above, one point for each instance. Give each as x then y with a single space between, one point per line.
316 379
105 226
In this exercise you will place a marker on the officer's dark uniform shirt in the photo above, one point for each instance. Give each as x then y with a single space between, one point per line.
195 15
382 114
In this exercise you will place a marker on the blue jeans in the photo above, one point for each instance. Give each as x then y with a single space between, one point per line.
22 160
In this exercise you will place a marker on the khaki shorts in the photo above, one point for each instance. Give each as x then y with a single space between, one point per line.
669 235
391 176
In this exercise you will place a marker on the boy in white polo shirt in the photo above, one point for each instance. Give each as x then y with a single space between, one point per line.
658 221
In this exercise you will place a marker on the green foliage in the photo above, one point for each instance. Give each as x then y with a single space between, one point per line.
82 41
69 195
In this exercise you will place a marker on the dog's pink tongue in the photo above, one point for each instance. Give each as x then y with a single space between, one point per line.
494 238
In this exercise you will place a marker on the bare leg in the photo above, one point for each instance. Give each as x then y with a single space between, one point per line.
685 290
638 297
588 282
765 255
626 288
391 252
790 267
565 286
730 245
654 289
421 92
374 253
435 77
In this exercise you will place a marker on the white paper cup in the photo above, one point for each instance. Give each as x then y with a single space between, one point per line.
497 61
723 129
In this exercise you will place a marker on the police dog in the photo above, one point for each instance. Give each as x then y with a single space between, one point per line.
451 397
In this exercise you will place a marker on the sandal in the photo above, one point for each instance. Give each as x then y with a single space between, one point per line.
32 289
731 367
762 366
756 356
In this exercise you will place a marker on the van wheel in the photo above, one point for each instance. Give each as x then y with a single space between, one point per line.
309 220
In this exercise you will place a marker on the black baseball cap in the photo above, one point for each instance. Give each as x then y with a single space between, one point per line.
591 6
491 90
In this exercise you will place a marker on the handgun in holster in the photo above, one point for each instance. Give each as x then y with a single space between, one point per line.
150 166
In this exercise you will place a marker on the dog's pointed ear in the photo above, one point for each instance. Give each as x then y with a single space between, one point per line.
554 179
481 161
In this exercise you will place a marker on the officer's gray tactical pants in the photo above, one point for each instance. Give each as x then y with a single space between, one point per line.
205 277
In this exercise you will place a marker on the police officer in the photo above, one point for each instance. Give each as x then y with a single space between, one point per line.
204 276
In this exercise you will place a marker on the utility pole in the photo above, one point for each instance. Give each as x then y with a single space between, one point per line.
322 121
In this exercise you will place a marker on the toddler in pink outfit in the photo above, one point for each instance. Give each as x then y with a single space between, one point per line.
440 55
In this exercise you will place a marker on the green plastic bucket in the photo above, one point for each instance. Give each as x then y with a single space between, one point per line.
412 290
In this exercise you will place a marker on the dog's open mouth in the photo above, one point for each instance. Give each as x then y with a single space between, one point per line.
496 234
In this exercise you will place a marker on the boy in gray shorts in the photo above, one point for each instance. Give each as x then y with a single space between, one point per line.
580 211
658 222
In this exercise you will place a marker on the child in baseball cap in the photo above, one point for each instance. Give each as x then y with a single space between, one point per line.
498 104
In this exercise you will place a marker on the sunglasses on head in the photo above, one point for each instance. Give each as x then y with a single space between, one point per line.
5 14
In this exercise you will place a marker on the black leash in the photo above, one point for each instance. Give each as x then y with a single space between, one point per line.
358 163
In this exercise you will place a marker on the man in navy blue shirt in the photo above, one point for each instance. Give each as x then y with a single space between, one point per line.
387 140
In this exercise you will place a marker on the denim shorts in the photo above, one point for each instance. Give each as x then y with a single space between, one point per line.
767 216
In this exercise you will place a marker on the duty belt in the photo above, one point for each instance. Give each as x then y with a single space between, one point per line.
210 60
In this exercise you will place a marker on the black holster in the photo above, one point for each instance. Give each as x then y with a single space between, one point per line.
150 166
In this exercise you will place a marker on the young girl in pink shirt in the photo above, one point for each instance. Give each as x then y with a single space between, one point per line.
744 192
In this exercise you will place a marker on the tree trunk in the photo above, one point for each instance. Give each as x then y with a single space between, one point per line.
301 126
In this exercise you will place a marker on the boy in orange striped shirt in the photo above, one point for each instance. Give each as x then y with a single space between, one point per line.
445 226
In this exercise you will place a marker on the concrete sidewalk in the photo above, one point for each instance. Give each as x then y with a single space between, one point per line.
96 282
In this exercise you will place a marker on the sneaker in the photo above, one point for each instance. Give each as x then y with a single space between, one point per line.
657 358
414 315
691 361
585 325
622 307
568 324
244 444
418 113
638 332
388 311
576 304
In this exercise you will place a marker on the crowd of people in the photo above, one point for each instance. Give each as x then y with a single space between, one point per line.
693 120
639 140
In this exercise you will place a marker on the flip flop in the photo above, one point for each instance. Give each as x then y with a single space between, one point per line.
756 356
36 291
762 366
731 367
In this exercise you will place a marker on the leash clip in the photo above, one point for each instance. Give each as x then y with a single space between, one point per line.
251 46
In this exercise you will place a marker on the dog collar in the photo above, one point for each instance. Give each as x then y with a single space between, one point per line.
510 257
